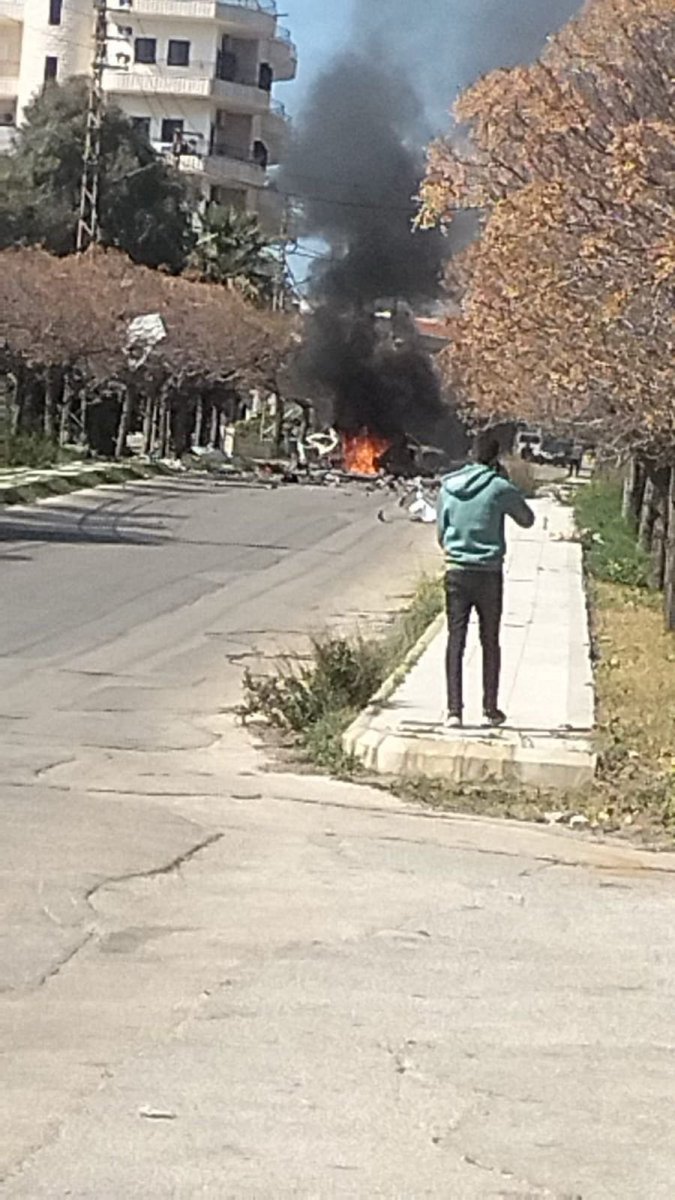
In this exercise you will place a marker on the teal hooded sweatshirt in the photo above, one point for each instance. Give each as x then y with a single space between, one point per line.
472 510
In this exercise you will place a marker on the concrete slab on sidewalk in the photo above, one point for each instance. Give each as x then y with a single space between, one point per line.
547 683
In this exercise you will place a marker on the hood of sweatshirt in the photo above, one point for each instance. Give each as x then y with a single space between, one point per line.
470 482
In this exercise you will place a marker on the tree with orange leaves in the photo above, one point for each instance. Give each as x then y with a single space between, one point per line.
64 334
567 296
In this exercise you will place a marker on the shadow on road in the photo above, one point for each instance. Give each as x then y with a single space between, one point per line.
88 527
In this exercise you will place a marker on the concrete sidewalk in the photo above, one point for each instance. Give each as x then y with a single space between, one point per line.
547 684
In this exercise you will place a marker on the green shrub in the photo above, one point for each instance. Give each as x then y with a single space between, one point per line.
316 700
341 676
612 550
27 450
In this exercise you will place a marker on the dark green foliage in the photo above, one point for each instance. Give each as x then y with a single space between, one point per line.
340 675
27 450
612 551
144 203
231 248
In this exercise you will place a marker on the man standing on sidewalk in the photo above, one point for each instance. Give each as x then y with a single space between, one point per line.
473 506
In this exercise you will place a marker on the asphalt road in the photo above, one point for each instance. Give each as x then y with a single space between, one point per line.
127 617
222 981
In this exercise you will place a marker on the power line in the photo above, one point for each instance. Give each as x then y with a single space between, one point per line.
330 201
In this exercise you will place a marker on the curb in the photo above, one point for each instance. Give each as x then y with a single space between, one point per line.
29 491
362 723
395 737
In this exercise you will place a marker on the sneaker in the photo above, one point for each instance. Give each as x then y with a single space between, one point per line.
495 718
453 721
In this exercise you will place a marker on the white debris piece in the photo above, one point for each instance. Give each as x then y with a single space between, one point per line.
421 509
147 330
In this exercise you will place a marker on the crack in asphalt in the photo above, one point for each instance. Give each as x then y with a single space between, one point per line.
58 967
169 868
535 1191
93 933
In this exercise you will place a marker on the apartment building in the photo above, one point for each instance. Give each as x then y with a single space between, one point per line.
196 75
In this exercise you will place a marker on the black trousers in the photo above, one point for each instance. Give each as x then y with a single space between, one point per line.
484 591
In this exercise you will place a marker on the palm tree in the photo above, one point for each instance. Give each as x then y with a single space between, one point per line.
232 249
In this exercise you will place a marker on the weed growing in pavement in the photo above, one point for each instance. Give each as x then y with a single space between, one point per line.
315 700
612 552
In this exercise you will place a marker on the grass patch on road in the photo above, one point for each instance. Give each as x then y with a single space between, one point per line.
312 702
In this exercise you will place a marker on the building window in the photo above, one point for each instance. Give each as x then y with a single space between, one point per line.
55 7
51 69
171 131
145 50
178 54
142 126
265 77
261 155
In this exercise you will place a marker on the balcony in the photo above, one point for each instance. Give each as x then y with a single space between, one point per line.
9 83
192 84
222 169
275 129
283 55
245 18
251 17
7 135
11 10
270 207
225 166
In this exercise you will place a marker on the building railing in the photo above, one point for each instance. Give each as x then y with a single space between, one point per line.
265 6
191 146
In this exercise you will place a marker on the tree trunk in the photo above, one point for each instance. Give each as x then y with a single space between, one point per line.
29 403
199 422
164 424
148 423
214 434
125 420
53 392
279 415
64 418
19 393
82 439
633 490
669 574
181 420
647 512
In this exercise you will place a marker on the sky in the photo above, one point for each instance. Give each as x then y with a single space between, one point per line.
473 37
441 45
318 28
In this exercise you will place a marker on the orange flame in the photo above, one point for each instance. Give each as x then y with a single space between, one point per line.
363 452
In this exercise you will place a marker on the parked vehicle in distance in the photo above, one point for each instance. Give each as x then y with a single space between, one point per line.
556 452
528 444
533 445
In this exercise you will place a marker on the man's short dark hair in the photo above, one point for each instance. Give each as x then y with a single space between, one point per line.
486 448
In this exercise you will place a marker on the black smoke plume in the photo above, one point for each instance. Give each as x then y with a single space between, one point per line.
355 168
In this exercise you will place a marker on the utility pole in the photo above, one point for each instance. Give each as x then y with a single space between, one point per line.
88 222
278 290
